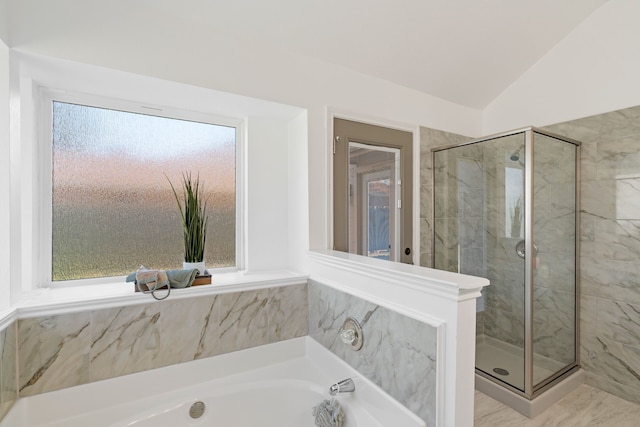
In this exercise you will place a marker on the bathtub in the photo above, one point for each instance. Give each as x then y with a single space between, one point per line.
275 385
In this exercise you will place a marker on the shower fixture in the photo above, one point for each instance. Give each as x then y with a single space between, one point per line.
351 334
515 156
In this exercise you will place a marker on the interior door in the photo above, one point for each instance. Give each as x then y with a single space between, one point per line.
372 172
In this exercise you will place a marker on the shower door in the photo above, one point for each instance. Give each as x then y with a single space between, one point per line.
506 208
479 220
554 281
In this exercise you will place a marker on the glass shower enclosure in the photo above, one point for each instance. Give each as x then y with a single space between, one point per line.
506 208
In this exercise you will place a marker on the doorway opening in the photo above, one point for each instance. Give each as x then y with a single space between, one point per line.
372 179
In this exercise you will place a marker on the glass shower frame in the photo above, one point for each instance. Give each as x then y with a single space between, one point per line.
530 389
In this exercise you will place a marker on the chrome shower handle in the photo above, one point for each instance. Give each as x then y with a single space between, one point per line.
520 249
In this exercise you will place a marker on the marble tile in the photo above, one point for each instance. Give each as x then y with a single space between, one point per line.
598 198
288 312
606 384
554 307
53 352
618 362
585 406
471 232
426 250
426 258
615 124
188 329
8 369
471 202
491 413
615 239
430 138
588 315
627 192
68 350
326 314
610 279
554 341
619 321
398 353
367 360
243 320
618 157
409 363
125 340
472 262
426 200
470 174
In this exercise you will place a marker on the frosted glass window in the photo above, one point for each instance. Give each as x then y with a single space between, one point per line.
113 209
514 202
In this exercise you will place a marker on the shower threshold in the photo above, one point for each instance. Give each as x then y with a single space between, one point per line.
495 357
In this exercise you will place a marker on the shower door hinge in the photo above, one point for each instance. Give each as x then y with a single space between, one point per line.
335 140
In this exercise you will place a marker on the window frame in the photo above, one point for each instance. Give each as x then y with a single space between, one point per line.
43 222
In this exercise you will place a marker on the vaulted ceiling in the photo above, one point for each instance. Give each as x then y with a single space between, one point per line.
464 51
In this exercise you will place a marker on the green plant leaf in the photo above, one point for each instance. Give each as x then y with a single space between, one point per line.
193 212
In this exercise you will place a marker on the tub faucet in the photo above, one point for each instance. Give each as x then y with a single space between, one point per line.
344 386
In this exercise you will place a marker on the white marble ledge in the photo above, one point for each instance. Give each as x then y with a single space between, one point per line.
422 279
52 301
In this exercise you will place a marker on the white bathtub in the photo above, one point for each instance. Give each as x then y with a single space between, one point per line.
275 385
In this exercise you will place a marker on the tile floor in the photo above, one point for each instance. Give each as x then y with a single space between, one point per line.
585 407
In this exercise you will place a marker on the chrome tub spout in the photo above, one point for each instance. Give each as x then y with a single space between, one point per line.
344 386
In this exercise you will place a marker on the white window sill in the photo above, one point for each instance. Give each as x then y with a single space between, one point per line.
46 302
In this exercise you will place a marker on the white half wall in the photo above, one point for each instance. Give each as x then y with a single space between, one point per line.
594 70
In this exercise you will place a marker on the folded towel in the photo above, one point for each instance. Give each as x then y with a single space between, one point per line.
151 280
182 278
162 278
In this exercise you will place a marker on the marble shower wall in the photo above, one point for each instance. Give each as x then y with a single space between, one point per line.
554 233
459 213
430 138
503 317
610 249
8 369
399 353
70 349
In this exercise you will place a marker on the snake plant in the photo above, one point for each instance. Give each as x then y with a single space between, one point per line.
193 211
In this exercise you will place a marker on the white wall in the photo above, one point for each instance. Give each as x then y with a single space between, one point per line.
298 210
267 198
5 186
213 60
593 70
265 154
4 21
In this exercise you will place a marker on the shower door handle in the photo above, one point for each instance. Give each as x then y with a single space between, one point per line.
520 249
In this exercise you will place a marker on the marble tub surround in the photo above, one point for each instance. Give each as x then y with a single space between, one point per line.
399 353
609 249
64 350
443 300
8 368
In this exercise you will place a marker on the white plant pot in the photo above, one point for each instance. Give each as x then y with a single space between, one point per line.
199 265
